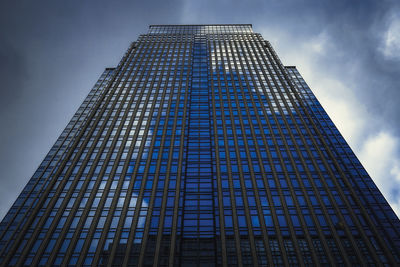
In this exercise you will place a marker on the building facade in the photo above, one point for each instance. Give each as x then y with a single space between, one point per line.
200 149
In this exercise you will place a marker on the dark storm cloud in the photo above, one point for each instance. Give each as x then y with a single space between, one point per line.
51 53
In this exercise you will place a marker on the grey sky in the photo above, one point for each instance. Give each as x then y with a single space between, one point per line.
52 52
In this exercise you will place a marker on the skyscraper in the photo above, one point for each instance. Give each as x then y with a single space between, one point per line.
200 148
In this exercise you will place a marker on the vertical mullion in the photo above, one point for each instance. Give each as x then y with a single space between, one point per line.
349 235
241 175
160 234
217 157
139 201
48 189
167 69
230 178
70 134
182 153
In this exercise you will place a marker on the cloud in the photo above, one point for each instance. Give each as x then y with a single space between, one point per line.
390 47
354 87
379 155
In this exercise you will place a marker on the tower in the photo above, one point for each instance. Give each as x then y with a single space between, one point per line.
200 148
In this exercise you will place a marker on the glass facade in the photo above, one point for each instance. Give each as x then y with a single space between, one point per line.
200 149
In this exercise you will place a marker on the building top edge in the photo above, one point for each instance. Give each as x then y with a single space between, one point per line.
189 25
200 28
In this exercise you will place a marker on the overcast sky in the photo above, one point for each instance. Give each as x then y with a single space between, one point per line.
52 52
